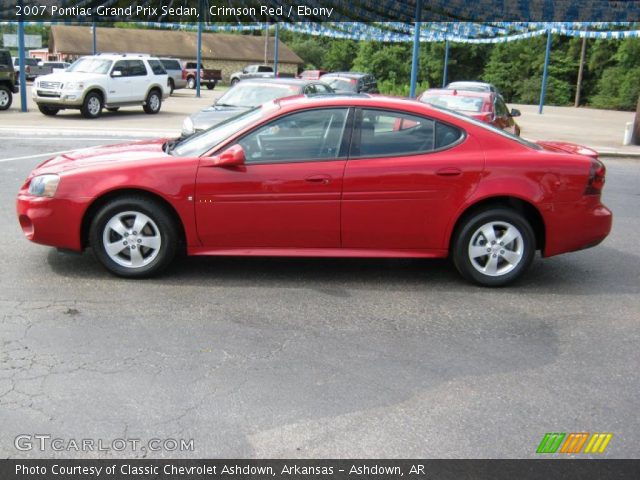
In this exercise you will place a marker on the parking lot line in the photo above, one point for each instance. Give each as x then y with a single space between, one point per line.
11 159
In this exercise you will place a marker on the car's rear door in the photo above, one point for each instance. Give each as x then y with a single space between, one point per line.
287 194
405 177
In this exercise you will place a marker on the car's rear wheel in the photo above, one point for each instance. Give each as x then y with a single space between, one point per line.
6 97
172 86
48 111
191 83
92 105
494 247
211 85
153 103
134 237
234 81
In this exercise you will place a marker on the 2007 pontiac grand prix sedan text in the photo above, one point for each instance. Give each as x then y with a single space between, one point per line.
330 176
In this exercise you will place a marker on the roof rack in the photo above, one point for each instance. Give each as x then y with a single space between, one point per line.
124 54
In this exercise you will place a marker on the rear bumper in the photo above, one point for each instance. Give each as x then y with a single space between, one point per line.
51 221
576 226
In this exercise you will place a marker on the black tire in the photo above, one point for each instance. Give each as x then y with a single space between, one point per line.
113 109
493 269
161 224
234 81
172 86
6 97
191 83
211 86
92 105
48 110
153 103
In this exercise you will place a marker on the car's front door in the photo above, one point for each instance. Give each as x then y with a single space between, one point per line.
119 83
405 178
287 194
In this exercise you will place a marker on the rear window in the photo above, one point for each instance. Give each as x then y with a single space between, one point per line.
171 64
157 67
342 83
455 102
264 68
192 65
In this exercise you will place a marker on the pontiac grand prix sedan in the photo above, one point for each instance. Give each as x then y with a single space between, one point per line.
325 176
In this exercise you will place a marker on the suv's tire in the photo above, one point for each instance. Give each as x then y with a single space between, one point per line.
493 247
191 83
153 103
172 86
48 110
234 81
211 85
6 97
113 109
133 237
92 105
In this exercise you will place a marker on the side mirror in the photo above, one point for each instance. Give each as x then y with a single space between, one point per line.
515 112
231 157
116 73
244 70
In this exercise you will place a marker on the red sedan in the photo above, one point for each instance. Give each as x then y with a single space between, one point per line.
329 176
484 106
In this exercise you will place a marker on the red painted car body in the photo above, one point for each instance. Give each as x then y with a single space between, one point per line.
352 206
484 106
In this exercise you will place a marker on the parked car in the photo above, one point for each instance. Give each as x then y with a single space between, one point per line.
46 68
176 73
324 176
102 81
208 77
29 63
312 74
485 106
472 86
8 85
351 82
252 71
250 94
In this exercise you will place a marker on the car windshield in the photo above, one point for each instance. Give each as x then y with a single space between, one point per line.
248 95
91 65
202 142
493 128
454 102
341 84
472 87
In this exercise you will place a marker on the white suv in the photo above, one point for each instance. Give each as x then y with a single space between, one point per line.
104 80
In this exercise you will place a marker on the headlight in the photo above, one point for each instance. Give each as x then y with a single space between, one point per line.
187 126
74 86
44 185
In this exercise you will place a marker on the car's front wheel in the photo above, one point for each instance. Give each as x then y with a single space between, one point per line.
134 237
191 83
153 102
6 97
494 247
92 105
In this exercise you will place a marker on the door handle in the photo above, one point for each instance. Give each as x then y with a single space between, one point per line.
448 172
324 179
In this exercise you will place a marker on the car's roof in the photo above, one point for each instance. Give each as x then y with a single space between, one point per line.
353 99
346 74
279 81
459 92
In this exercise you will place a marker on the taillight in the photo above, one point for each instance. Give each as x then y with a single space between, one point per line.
184 74
595 182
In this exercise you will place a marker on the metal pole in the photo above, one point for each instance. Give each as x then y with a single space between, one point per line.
21 63
95 39
446 63
416 50
635 136
545 73
276 48
583 53
266 42
199 53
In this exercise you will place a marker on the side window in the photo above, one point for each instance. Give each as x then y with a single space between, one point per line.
501 108
322 88
121 66
309 89
157 67
385 133
137 68
264 68
305 136
446 135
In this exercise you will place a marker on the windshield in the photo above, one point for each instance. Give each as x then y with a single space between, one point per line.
90 65
202 142
343 84
250 95
454 102
494 129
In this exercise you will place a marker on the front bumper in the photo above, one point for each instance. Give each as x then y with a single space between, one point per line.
576 226
61 98
51 221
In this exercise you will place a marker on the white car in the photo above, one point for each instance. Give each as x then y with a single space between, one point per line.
102 81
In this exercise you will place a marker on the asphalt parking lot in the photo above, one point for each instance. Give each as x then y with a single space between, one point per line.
311 358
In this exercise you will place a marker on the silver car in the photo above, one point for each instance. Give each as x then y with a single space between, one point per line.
173 66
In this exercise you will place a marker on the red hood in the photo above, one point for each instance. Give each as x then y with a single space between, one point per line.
142 150
568 148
